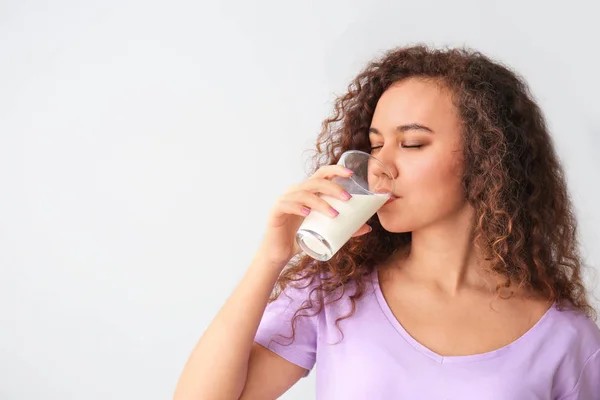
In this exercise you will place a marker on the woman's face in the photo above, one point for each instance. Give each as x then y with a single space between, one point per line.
416 131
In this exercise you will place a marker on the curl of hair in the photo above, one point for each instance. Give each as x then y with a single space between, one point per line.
513 179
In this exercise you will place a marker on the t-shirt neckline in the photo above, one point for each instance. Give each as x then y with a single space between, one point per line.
529 335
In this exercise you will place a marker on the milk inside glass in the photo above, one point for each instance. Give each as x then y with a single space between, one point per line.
320 235
354 213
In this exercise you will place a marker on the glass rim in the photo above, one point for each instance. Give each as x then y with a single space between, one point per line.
381 163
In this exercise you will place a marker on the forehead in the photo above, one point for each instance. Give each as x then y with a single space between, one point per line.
416 100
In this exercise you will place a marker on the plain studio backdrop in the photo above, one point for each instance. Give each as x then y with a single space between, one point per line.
142 144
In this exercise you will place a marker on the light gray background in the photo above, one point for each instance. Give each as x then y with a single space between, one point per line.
142 144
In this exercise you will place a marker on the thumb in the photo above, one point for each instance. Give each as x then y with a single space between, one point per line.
362 230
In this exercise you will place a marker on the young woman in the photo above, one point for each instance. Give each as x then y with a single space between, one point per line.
466 286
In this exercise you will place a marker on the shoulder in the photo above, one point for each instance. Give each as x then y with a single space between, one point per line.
579 369
331 287
572 340
326 294
576 330
297 293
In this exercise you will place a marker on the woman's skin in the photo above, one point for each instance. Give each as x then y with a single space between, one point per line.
441 293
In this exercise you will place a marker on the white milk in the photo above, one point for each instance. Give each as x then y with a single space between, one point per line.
337 231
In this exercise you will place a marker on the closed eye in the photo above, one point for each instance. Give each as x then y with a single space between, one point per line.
404 146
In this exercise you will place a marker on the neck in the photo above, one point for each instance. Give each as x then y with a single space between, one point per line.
443 256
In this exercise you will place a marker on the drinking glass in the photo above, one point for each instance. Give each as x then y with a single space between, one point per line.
371 186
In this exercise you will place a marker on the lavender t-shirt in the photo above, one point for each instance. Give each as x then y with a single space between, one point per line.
559 358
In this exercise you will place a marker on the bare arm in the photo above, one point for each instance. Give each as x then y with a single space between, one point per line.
226 364
226 356
269 375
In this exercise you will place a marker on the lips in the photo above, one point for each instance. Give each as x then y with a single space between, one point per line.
390 200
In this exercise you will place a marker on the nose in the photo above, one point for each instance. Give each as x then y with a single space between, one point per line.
381 177
386 158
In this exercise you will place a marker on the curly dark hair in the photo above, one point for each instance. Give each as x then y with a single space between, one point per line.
513 179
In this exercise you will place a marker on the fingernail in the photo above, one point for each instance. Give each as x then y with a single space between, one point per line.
305 211
349 170
333 212
346 195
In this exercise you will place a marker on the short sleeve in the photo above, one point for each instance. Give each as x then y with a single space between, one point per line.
588 384
275 329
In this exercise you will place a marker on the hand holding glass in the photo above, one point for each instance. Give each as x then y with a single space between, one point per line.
371 186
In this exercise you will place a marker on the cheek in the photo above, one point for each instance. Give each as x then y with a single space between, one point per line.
434 179
431 189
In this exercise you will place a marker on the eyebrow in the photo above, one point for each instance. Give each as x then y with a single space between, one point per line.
405 128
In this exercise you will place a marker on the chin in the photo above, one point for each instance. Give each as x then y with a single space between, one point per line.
395 222
401 218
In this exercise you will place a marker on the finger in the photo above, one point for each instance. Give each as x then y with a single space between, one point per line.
322 186
310 200
330 171
292 208
362 230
